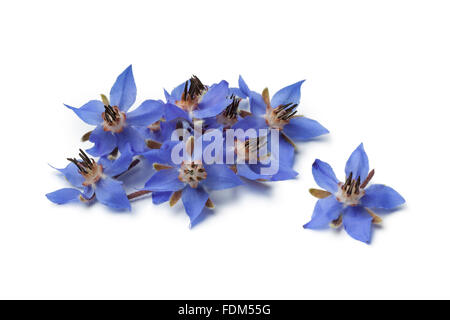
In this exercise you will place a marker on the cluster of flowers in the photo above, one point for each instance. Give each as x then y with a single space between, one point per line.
205 138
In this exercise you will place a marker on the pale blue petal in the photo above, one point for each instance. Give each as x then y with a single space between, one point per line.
324 176
358 223
132 136
165 180
325 211
213 102
161 197
358 164
104 141
147 113
72 174
289 94
243 87
251 122
194 200
91 112
123 92
301 128
121 164
220 177
257 104
382 197
173 112
63 196
111 193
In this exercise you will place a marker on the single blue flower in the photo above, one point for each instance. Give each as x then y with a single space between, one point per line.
194 100
115 126
189 180
96 180
350 203
278 113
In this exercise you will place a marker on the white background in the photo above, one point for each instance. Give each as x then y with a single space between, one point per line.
377 72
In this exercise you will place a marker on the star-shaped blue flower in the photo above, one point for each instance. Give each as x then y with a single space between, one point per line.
115 126
278 113
194 100
95 180
189 180
350 203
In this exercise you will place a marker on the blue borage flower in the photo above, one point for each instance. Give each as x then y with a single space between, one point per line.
279 113
190 180
193 100
96 180
115 126
350 203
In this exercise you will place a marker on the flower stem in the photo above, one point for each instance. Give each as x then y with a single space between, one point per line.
137 194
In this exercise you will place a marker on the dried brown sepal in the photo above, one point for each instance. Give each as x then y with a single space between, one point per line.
244 113
85 137
209 204
152 144
233 168
336 223
175 197
159 166
266 97
190 145
289 140
318 193
83 199
375 218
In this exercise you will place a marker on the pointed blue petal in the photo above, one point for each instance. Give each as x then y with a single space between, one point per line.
251 122
178 91
123 92
237 92
324 176
91 112
147 113
72 174
220 177
173 112
194 200
213 102
257 104
243 87
358 163
161 197
325 211
63 196
284 173
289 94
165 180
133 137
381 196
104 141
246 171
110 193
121 164
358 223
302 128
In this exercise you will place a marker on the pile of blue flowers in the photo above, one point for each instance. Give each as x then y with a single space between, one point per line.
202 138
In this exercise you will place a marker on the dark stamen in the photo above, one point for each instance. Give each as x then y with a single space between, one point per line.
350 190
358 182
79 166
232 109
348 181
369 177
